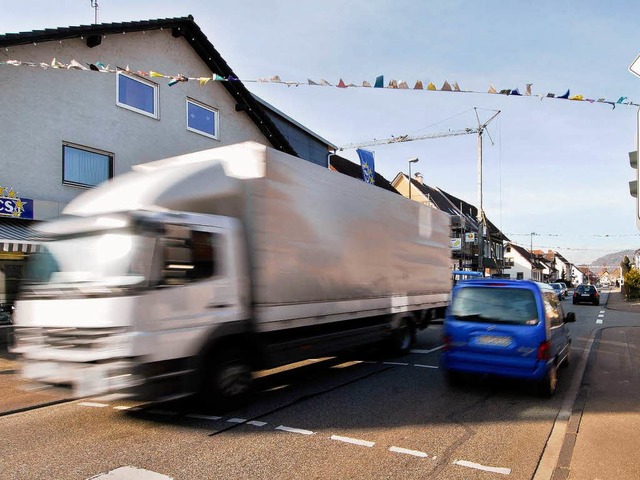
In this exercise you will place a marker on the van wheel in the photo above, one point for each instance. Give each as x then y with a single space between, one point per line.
548 385
401 338
227 379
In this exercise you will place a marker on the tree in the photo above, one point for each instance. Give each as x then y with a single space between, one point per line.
632 283
625 265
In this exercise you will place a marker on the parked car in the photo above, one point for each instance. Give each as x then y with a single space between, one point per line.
586 294
564 289
509 328
558 288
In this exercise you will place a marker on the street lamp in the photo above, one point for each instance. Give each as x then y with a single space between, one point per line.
411 160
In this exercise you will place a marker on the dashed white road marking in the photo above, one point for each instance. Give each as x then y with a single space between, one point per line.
295 430
256 423
601 311
237 420
204 417
599 321
354 441
130 473
426 351
396 363
425 366
122 407
477 466
93 404
415 453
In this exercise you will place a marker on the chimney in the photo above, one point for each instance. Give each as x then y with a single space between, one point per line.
418 178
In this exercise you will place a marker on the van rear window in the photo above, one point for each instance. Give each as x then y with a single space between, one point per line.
495 305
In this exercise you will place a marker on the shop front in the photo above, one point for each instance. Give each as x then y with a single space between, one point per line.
17 241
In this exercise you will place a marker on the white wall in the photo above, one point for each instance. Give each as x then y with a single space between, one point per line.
42 108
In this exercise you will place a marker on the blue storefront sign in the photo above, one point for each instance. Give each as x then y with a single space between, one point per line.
14 206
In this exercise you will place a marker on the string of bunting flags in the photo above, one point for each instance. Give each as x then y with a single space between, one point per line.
379 82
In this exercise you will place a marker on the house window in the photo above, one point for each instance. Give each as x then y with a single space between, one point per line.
202 119
137 94
84 166
520 275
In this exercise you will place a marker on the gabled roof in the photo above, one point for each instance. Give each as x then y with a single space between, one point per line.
184 27
524 253
472 211
354 170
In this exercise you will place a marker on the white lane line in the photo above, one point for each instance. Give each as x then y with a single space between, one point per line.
122 407
477 466
426 351
237 420
129 472
256 423
294 430
354 441
93 404
599 321
601 315
425 366
203 417
601 311
415 453
395 363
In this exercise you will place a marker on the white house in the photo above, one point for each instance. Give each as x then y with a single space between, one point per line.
83 104
519 264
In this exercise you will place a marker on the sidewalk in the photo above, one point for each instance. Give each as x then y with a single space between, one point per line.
603 434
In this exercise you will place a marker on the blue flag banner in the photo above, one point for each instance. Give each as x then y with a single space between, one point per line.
368 166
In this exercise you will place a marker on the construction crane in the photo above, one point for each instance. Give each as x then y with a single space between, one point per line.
411 138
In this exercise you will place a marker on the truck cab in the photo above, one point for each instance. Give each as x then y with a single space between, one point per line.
159 287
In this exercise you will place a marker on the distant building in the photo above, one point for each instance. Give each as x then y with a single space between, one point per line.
464 225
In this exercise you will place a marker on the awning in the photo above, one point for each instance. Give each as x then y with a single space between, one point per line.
18 236
489 263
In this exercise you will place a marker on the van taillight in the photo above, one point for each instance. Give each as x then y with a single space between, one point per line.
544 351
446 342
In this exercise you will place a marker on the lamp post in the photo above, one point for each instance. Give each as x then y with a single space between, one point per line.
411 160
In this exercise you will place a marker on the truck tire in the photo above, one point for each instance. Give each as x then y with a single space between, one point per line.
227 379
401 338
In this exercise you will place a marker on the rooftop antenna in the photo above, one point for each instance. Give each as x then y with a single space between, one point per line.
94 5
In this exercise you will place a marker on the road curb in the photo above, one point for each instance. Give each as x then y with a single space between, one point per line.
561 436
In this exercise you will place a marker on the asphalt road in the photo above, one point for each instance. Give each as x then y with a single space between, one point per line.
367 418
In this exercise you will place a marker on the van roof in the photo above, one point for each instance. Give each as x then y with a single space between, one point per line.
502 282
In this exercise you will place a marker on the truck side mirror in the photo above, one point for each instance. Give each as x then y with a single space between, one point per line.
570 317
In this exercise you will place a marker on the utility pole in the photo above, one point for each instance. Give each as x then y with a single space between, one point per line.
481 222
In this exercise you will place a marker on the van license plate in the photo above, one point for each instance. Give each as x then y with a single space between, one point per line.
495 341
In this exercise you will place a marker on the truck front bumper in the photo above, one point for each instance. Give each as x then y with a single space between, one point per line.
84 379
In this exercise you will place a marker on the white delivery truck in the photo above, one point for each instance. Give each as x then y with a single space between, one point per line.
188 274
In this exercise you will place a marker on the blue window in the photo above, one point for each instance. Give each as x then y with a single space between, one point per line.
202 119
137 94
85 167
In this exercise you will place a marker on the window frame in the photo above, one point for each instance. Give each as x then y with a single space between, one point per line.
156 95
216 118
110 156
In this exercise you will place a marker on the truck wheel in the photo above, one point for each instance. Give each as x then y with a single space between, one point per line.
227 379
401 338
547 386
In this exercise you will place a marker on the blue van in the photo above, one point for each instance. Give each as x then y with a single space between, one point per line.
509 328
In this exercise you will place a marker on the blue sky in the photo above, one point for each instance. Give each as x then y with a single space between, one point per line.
558 168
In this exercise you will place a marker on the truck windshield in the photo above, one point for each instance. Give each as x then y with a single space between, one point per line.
495 305
97 260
